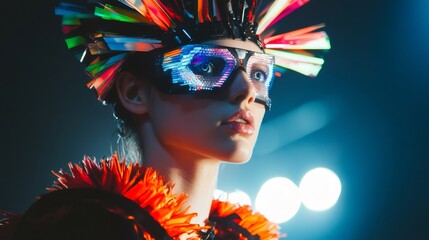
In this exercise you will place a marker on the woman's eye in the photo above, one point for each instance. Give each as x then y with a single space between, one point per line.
205 68
259 76
208 67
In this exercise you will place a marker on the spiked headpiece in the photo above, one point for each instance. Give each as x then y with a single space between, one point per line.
102 33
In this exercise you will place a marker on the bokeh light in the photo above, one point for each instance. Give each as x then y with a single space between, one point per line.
320 189
236 197
278 199
239 197
220 195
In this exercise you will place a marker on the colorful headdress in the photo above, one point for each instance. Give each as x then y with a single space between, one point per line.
102 33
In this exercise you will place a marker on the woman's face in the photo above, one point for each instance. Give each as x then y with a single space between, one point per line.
222 125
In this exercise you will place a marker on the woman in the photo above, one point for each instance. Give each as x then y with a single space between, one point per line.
189 83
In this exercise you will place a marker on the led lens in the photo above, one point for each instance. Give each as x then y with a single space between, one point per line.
205 67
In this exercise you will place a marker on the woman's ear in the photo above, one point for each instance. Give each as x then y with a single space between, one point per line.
131 93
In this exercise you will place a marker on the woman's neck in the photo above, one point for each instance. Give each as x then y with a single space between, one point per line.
192 174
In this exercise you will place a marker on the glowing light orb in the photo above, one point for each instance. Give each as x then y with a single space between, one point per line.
236 197
278 199
320 189
220 195
239 197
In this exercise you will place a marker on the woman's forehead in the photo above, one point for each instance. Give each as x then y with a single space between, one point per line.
235 43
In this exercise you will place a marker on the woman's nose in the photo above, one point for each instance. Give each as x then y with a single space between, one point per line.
241 89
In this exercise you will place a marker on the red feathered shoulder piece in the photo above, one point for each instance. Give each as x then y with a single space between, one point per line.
240 222
142 185
115 182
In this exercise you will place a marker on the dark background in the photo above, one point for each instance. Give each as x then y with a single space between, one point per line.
374 89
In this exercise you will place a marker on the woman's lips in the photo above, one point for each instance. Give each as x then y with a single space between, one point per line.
240 122
242 128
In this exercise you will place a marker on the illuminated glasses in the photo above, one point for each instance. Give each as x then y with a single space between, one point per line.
194 68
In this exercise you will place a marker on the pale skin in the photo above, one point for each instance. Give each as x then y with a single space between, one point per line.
186 138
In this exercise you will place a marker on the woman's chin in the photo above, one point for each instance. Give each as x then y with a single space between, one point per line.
238 156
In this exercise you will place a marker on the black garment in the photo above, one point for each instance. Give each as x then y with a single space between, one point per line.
86 214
